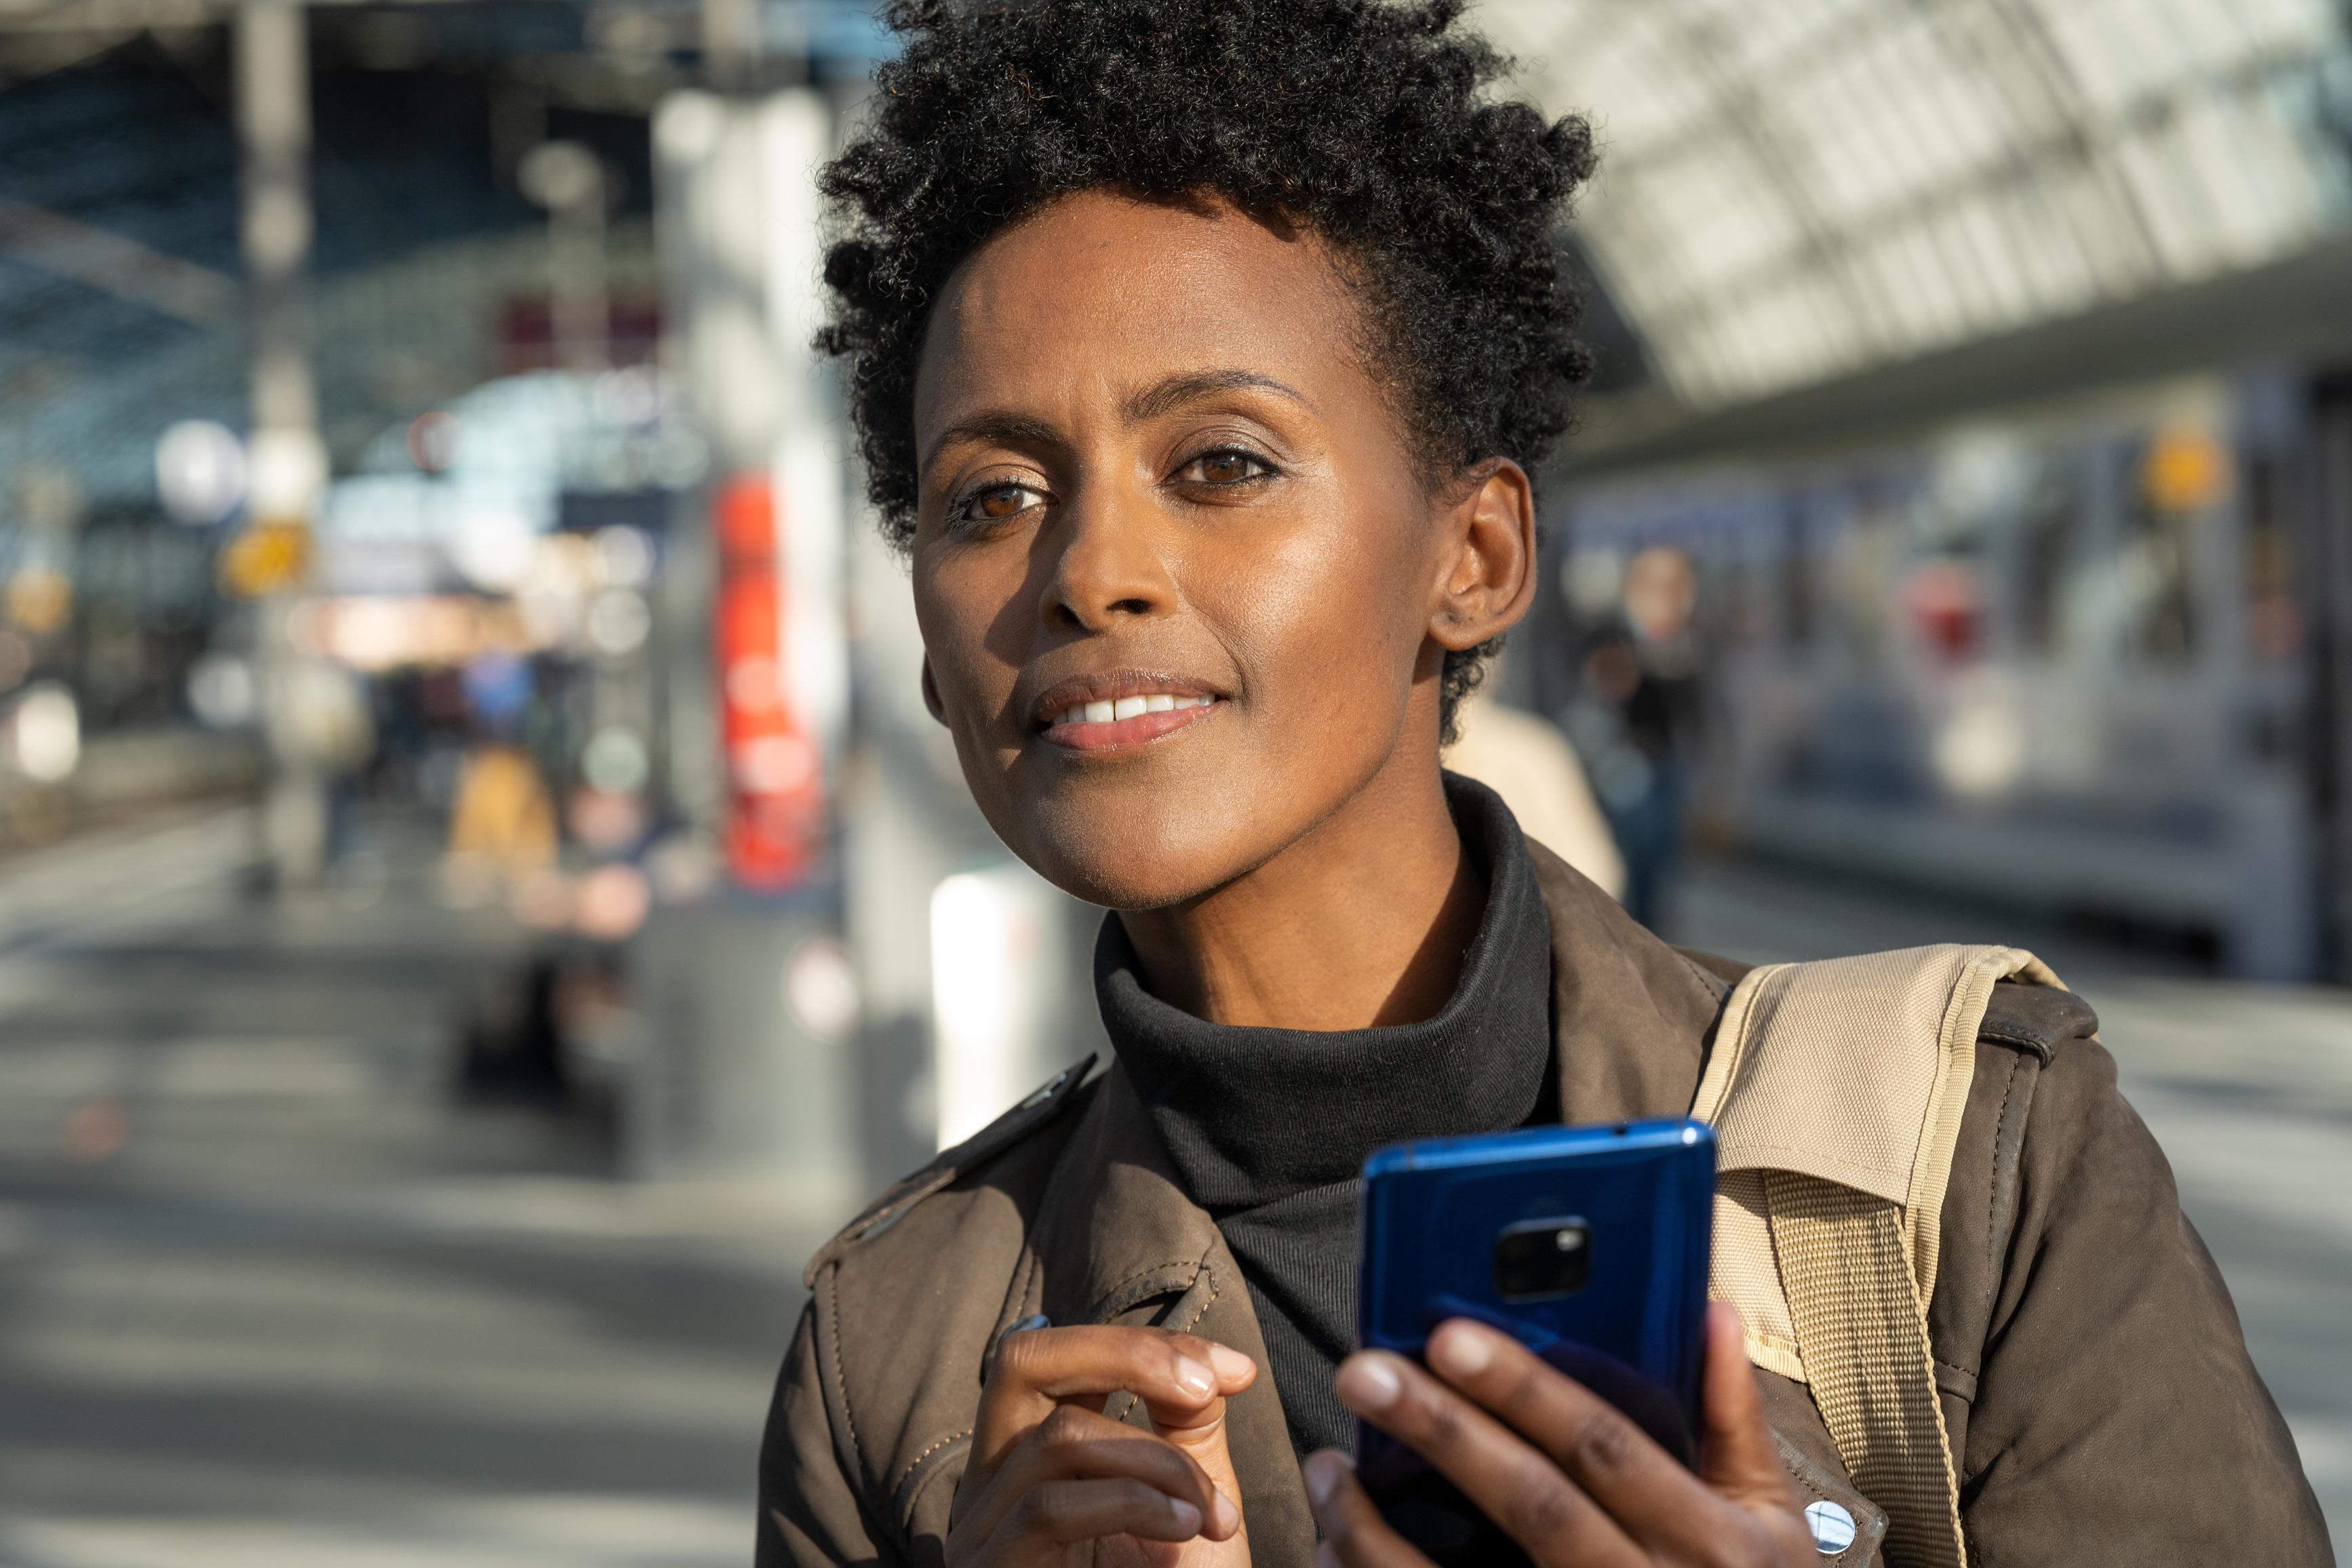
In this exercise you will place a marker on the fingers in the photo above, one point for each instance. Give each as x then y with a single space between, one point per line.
1744 1504
1075 1443
1061 1513
1522 1490
1354 1534
1601 1450
1177 1376
1736 1455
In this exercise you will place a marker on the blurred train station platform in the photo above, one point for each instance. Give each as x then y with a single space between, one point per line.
481 897
272 1292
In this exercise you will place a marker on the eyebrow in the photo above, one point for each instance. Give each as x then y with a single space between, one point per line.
999 427
1166 397
995 428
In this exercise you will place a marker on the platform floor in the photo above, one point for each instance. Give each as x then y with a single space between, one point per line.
269 1297
309 1311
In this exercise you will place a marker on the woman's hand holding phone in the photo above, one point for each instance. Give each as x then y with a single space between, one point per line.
1561 1470
1055 1480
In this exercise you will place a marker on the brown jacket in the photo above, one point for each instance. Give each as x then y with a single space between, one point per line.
2094 1382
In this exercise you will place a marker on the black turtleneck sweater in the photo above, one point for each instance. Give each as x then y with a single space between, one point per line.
1269 1128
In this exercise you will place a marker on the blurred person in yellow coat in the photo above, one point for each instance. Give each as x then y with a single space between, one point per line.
1527 761
501 825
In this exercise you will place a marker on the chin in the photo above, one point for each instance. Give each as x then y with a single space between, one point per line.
1125 859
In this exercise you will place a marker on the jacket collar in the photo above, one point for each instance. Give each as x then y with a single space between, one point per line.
1117 1239
1632 1017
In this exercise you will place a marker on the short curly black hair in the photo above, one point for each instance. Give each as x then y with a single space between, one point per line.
1368 122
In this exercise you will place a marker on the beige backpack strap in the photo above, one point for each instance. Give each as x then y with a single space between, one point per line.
1835 1090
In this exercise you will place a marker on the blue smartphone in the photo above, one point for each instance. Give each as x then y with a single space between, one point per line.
1588 1244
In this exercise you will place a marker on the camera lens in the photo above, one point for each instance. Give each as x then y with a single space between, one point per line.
1541 1258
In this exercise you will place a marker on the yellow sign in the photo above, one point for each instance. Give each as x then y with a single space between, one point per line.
2185 470
38 598
266 558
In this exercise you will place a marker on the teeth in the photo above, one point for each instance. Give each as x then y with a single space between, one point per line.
1128 707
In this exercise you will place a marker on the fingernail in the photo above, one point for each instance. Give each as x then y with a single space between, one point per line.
1461 1350
1229 1514
1199 1378
1368 1383
1231 1365
1323 1475
1187 1517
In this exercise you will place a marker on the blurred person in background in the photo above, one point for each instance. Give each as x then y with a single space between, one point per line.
1637 719
328 721
1528 762
1200 354
503 823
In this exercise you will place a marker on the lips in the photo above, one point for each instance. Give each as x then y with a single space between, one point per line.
1104 713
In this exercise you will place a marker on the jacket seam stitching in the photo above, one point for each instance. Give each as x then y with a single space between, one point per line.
2040 1046
1203 1311
1147 1273
1714 984
841 1384
915 1463
1992 1193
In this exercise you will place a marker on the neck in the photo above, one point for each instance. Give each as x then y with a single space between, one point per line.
1363 922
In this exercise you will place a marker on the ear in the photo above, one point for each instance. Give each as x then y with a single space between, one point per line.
1487 557
939 710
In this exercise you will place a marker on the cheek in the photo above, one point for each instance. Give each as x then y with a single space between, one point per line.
957 602
1326 627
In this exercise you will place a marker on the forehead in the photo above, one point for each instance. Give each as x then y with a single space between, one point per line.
1102 293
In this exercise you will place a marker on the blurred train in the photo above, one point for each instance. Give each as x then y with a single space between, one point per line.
2088 655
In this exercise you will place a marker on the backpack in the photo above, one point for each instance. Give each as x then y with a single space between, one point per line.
1835 1090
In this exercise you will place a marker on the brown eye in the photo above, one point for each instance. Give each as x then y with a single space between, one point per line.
1223 469
996 503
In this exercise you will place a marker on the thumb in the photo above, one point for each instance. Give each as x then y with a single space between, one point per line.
1736 1455
1189 1424
1200 1430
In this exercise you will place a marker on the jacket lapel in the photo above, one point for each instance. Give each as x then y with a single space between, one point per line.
1117 1241
1631 1016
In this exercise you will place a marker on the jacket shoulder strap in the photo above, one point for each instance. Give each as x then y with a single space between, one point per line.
1835 1090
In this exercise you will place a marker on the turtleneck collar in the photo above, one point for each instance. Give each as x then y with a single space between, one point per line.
1253 1115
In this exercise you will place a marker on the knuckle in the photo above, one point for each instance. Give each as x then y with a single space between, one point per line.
1063 1424
1029 1515
1441 1422
1543 1511
1020 1356
1524 1390
1603 1441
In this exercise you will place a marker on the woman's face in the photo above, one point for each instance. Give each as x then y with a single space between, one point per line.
1175 568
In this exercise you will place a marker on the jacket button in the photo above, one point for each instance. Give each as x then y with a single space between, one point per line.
1833 1528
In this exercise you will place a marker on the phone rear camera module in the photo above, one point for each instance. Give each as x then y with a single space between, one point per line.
1542 1259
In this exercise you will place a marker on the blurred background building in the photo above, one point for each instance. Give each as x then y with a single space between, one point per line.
480 899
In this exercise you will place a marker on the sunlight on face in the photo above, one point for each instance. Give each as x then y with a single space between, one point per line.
1172 562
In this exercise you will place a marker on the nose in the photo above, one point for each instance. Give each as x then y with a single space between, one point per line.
1107 567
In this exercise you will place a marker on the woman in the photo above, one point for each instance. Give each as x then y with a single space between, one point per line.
1199 351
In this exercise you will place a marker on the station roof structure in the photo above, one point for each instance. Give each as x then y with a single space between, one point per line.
1799 193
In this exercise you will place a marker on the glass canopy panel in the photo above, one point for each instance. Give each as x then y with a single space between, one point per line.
1797 189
